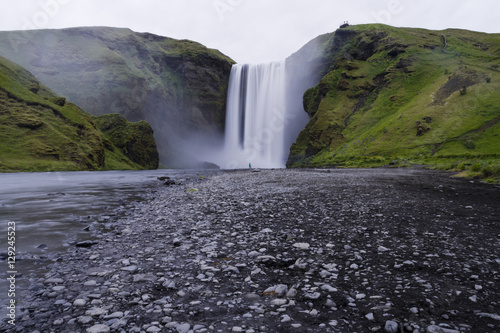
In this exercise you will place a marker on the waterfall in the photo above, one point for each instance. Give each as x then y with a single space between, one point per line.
256 117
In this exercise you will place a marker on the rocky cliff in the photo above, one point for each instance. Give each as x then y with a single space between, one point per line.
40 131
178 86
389 94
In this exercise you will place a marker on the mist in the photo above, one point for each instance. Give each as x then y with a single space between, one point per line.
264 112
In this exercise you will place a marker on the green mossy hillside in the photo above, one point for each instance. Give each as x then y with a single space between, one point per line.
398 94
40 131
178 86
134 140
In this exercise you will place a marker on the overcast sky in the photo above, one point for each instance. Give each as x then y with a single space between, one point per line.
249 31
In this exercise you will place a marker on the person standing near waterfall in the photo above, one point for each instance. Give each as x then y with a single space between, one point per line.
249 165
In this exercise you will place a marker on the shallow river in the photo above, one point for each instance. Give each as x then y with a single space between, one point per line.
51 211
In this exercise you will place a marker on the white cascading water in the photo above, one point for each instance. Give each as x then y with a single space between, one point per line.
256 117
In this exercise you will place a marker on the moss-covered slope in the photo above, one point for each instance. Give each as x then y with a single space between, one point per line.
178 86
40 131
134 140
396 93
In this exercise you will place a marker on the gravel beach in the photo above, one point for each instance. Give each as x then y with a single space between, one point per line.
387 250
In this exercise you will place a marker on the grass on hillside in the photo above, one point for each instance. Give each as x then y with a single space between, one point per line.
407 106
39 134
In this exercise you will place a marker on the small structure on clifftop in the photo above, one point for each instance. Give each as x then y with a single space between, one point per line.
344 25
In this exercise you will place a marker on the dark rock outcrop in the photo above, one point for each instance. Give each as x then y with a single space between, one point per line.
135 140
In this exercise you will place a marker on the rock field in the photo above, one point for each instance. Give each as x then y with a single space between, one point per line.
382 250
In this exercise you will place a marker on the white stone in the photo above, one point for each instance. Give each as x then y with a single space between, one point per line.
312 296
279 301
370 316
183 328
324 274
85 319
281 289
98 329
360 296
302 246
382 249
117 314
291 293
391 327
53 280
439 329
132 268
329 288
489 315
333 323
96 312
79 302
285 318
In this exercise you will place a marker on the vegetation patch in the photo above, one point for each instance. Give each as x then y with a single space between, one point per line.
40 131
400 96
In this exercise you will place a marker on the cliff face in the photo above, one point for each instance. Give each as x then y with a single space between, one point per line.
40 131
178 86
388 93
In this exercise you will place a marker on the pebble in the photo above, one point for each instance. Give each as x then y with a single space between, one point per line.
99 328
96 312
85 319
391 326
279 301
302 246
328 288
439 329
79 302
183 328
132 268
53 281
382 249
360 296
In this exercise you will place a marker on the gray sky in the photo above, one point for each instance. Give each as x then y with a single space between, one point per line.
249 31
